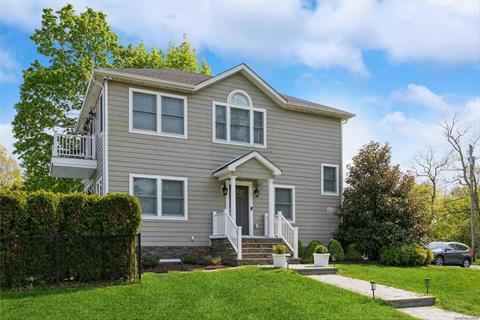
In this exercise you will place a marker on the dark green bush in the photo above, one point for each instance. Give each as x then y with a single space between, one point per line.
321 249
352 253
301 249
190 260
80 261
406 255
12 216
150 262
279 249
87 237
308 257
335 249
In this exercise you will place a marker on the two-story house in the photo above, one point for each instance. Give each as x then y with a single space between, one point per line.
223 163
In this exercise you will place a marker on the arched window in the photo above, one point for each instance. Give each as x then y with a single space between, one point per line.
239 98
238 122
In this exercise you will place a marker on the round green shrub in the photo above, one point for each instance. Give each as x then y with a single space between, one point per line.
189 260
216 261
321 249
406 255
335 249
279 249
150 262
352 253
308 257
301 249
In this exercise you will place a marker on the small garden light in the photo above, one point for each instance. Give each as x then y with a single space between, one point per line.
333 260
374 287
427 283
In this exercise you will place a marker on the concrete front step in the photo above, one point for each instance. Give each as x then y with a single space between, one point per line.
426 301
309 269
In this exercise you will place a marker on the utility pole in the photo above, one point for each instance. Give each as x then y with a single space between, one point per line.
471 161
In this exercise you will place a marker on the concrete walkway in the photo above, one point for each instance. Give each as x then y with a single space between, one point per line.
414 304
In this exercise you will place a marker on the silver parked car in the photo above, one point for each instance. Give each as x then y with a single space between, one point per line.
452 253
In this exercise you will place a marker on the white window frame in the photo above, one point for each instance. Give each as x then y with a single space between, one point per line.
159 131
159 195
251 109
284 186
336 166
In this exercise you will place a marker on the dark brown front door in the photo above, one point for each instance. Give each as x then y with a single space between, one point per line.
243 209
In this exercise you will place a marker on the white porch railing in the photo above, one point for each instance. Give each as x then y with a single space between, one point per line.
73 146
224 226
289 233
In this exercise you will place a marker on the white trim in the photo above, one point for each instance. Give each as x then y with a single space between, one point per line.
250 104
74 162
327 193
247 71
271 209
283 186
241 160
159 131
99 186
248 184
159 195
251 111
244 69
105 137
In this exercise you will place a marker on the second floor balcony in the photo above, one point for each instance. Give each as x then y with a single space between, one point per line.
73 156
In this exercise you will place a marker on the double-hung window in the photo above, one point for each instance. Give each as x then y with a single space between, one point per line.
160 197
158 113
238 122
330 179
285 201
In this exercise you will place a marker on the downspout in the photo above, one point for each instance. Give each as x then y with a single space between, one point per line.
343 122
105 134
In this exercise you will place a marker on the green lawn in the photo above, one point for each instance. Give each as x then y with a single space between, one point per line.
456 288
245 293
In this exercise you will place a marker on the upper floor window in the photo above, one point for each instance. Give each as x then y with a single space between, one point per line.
158 113
238 122
330 179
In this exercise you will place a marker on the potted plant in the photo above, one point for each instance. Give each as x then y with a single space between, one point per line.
279 256
321 256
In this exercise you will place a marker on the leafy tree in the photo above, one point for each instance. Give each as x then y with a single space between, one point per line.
53 88
10 176
382 206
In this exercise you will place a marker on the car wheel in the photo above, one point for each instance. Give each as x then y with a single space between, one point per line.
466 263
439 261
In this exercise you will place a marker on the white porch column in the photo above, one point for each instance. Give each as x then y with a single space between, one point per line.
233 198
271 209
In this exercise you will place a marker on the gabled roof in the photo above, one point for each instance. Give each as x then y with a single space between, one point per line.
232 165
189 82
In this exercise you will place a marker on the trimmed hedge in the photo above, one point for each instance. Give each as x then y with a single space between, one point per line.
335 249
352 253
406 255
75 237
308 257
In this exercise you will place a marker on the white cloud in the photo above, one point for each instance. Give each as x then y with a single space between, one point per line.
333 35
6 137
9 67
422 96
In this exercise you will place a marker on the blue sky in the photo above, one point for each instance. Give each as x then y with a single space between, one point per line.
401 66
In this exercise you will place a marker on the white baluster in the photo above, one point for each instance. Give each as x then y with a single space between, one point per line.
239 242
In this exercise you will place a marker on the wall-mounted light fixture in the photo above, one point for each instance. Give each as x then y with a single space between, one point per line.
256 192
224 189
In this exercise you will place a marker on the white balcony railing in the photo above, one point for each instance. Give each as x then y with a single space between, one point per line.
289 233
224 226
73 146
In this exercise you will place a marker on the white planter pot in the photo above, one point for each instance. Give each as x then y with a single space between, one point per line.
279 260
321 259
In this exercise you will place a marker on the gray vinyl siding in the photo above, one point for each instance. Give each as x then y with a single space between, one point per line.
298 143
253 169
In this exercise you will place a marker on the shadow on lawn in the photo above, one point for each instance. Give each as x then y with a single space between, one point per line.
23 293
